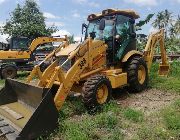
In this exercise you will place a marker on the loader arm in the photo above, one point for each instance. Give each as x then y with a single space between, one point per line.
151 45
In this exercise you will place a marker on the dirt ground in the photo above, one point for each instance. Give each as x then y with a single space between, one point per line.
148 101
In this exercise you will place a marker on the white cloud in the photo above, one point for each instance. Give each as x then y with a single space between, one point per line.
61 33
1 1
3 38
152 30
50 23
76 15
93 4
77 38
143 2
50 16
87 3
178 1
81 1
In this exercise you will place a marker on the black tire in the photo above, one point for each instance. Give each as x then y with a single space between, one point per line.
136 84
90 91
9 72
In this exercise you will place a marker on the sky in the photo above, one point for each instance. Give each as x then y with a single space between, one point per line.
68 15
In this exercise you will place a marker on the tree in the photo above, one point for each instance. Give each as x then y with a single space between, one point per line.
143 22
163 20
71 39
158 22
27 21
177 26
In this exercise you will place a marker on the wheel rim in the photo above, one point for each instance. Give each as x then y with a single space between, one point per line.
102 94
141 74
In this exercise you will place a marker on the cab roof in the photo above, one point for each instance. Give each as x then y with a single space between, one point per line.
128 12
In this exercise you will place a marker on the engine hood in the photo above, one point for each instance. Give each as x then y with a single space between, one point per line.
66 51
84 47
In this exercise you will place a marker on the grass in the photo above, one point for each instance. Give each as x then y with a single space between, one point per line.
114 122
170 83
166 127
134 115
104 125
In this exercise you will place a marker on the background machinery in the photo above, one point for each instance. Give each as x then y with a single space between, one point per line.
107 59
20 55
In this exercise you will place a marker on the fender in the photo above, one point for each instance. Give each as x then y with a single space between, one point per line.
131 53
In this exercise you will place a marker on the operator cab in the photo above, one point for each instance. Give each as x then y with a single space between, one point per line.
117 29
19 43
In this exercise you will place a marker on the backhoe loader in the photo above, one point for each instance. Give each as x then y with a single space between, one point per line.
107 59
21 56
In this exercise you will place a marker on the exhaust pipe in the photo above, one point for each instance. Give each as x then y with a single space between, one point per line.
26 111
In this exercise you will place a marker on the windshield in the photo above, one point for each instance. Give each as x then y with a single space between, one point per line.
20 43
101 34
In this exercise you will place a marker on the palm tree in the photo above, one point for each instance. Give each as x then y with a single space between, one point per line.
158 22
163 20
167 19
177 26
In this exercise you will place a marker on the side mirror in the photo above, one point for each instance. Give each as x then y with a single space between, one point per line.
83 26
102 24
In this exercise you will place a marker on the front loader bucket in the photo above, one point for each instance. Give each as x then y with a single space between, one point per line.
164 70
26 111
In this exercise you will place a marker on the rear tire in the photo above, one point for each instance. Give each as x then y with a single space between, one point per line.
137 74
9 72
96 92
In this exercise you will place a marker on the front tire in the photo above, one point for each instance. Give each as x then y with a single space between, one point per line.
9 72
96 91
137 74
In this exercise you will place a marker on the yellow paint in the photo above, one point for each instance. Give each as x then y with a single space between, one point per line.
20 109
118 80
102 94
141 74
131 53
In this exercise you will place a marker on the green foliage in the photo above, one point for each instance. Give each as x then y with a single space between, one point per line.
164 19
71 39
134 115
143 22
76 126
171 116
27 21
170 83
152 133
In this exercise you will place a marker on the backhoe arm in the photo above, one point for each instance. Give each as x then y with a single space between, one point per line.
150 49
41 40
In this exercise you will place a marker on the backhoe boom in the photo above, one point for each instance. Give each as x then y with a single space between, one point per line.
149 51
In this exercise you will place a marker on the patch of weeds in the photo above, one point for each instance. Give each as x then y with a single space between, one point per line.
112 106
106 120
73 106
152 133
134 115
177 104
171 83
171 117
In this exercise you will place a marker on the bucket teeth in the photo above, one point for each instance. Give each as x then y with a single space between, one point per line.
7 131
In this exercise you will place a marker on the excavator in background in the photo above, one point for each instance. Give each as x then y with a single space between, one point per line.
21 55
107 59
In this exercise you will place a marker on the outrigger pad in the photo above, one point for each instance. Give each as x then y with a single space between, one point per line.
26 111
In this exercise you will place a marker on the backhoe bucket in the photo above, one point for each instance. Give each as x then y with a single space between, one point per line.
164 70
26 111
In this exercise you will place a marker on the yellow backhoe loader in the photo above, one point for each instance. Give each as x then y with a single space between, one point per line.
20 56
107 59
